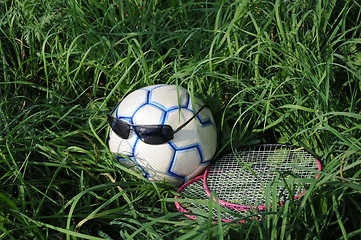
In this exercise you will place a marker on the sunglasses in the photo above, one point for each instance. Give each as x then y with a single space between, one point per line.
150 134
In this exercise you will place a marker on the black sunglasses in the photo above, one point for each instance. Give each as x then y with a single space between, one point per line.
150 134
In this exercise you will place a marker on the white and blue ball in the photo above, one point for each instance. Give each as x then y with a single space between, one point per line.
178 160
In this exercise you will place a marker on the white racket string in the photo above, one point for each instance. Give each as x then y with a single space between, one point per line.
241 178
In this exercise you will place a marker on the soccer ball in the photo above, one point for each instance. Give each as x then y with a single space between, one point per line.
178 160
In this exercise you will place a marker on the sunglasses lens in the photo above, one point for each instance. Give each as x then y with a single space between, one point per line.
120 127
154 134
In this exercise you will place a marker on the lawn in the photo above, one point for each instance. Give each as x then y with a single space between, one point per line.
271 72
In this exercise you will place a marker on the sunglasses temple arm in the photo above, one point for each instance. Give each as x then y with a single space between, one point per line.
188 121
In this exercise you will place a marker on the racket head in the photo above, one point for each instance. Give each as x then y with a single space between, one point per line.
240 178
193 191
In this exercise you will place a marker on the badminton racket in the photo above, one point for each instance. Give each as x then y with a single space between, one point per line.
245 178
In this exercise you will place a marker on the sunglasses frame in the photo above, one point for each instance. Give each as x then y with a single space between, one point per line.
112 118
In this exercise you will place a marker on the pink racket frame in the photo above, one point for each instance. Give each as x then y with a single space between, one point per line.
181 209
177 204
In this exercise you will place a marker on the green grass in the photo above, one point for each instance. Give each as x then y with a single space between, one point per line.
272 71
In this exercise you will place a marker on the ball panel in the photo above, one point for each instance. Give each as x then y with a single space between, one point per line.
205 116
195 104
148 114
123 146
208 141
206 132
154 158
176 118
186 161
166 97
197 172
131 103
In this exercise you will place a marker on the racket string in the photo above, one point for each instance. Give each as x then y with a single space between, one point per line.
243 177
